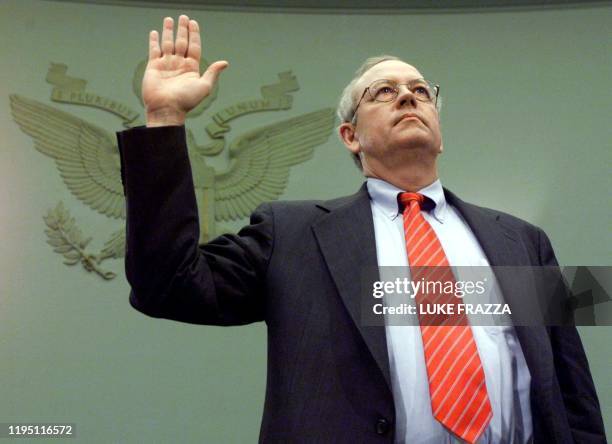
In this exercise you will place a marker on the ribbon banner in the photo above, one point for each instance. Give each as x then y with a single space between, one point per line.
275 97
72 90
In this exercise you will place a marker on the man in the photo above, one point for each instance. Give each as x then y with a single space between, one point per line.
298 267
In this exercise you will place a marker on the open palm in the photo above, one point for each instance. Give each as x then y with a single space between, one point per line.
172 84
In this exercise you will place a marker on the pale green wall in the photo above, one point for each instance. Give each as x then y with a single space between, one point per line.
526 128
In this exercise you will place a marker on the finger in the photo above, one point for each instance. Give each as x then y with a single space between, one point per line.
154 51
180 46
211 75
195 46
167 43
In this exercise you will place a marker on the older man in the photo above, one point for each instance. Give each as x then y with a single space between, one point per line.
298 267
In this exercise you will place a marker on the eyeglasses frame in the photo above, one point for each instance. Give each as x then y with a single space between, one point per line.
434 100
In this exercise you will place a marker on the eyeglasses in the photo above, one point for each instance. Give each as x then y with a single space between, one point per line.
384 90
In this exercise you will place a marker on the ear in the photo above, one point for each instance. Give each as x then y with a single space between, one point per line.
347 132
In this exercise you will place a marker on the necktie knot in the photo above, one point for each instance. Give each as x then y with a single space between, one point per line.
406 198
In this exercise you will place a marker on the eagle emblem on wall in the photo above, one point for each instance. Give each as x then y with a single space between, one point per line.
87 158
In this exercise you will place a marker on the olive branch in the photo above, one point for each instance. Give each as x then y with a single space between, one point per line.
67 239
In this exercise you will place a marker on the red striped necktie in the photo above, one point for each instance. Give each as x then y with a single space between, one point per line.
457 387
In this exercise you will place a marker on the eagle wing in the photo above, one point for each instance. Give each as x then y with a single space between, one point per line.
260 162
85 155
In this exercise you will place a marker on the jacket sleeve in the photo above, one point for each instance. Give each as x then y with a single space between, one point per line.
220 283
573 373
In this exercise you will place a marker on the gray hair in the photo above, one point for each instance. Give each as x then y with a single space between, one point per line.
348 99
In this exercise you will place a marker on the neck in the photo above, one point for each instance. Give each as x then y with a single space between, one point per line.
410 178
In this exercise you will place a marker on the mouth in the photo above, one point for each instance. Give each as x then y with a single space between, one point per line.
408 116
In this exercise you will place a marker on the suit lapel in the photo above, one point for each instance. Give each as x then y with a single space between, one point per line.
504 248
346 238
501 244
506 252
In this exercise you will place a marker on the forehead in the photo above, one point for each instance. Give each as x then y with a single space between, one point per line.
390 69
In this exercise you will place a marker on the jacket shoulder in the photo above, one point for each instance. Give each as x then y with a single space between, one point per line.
315 207
502 217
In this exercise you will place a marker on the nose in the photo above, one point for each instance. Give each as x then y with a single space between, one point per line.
405 97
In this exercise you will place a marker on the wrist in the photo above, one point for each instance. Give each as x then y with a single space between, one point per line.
165 117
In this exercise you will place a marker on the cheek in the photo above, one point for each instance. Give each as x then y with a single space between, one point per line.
379 130
369 137
372 141
437 131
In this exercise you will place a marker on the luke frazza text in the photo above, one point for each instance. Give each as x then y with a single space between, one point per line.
423 287
442 309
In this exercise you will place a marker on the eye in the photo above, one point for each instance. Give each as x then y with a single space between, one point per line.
384 92
422 91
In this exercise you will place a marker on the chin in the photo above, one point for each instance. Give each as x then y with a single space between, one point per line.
416 143
414 135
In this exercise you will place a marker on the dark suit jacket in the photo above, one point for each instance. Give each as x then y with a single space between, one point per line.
298 267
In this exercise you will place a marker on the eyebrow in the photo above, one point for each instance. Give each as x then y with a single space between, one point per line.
422 79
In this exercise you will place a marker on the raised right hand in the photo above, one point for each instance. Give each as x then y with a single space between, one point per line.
172 85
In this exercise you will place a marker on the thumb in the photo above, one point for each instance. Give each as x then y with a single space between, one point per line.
211 74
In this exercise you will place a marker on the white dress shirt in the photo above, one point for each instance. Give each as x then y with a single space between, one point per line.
506 373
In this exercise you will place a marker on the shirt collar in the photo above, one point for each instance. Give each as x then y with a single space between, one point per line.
384 195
